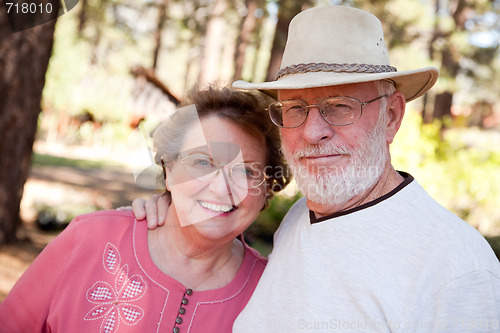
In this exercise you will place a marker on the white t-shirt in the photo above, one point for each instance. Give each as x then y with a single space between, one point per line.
401 263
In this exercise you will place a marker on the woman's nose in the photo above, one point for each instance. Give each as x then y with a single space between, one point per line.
221 185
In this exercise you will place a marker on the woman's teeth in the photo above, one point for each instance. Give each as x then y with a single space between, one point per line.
217 208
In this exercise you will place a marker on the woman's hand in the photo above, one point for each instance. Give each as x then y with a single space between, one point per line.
154 210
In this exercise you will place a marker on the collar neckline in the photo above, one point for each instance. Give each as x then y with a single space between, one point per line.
407 180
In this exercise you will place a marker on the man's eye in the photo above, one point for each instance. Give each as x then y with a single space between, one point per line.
338 109
342 107
296 107
293 110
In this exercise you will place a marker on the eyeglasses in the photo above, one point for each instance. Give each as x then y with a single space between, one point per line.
204 167
338 111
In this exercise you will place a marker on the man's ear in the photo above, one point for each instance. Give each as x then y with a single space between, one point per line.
396 105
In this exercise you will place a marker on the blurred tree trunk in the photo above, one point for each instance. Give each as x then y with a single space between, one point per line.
259 45
255 63
442 46
287 10
82 16
246 29
23 63
226 71
212 47
162 17
190 62
442 106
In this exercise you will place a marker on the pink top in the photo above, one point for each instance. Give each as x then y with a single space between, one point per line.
98 276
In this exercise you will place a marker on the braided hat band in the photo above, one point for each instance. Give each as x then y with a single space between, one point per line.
337 68
339 45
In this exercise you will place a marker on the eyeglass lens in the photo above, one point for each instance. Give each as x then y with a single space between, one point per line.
335 110
204 167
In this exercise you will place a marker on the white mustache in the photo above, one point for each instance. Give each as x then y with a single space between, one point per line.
327 149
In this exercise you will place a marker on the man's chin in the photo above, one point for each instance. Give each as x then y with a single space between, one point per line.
331 189
320 201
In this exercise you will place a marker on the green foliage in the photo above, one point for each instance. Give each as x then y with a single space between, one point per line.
67 67
269 220
88 76
57 218
460 168
495 244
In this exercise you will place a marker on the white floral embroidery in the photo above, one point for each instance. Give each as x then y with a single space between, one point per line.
113 303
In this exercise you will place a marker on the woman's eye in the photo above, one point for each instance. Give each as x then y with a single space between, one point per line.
248 171
203 163
240 171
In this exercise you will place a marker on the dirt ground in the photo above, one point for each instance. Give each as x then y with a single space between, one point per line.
56 186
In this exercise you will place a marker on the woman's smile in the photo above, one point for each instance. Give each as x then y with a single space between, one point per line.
218 208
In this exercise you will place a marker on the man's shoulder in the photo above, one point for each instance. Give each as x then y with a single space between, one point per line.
426 210
297 210
292 218
444 232
299 205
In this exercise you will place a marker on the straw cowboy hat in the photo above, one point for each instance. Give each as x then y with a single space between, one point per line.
333 45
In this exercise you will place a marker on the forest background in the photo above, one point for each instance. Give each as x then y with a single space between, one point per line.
85 93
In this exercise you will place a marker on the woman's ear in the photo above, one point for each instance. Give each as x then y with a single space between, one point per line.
268 188
168 178
167 174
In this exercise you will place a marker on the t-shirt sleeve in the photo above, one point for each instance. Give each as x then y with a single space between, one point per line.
470 303
28 304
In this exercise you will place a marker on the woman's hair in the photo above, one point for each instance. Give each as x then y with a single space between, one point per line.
244 109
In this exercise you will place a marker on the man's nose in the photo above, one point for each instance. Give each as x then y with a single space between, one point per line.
315 128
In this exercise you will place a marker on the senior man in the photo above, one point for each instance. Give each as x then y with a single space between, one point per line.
367 249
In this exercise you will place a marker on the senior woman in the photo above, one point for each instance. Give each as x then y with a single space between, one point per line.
108 273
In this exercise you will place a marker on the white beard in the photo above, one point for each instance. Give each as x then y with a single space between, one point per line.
332 185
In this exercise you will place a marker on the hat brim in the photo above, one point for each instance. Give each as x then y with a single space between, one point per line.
412 83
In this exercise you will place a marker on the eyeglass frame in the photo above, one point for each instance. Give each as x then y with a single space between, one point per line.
321 111
219 167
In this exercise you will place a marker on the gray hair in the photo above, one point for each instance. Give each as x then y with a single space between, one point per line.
385 87
245 109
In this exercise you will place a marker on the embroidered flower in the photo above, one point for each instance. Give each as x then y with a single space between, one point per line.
113 304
